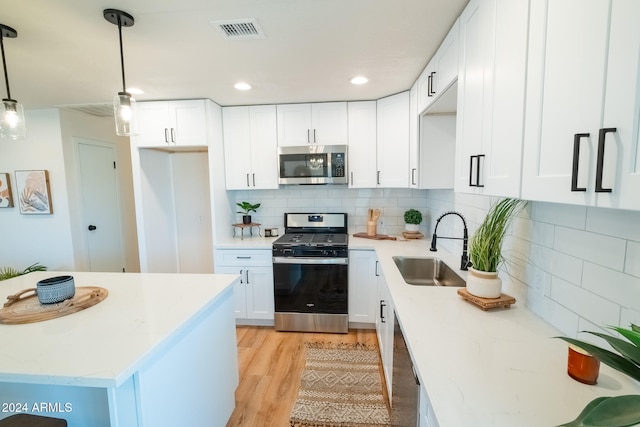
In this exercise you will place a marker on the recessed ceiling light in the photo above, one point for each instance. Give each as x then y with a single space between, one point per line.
242 86
135 91
359 80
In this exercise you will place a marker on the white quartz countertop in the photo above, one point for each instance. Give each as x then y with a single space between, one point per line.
485 368
103 345
498 368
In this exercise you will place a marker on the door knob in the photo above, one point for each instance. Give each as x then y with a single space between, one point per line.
92 227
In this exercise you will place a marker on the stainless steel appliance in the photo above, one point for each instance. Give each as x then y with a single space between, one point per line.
313 164
405 387
310 272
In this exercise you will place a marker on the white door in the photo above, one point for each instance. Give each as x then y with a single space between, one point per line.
101 206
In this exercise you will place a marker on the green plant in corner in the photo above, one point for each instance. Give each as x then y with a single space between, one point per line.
247 207
618 411
485 246
413 216
8 272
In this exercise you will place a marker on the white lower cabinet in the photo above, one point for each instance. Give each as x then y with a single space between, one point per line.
363 286
426 416
254 293
384 330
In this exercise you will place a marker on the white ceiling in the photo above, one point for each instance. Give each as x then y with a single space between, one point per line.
67 53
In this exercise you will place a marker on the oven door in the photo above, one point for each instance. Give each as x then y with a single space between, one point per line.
311 285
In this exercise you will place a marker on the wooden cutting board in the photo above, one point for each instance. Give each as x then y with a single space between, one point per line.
375 237
20 309
503 301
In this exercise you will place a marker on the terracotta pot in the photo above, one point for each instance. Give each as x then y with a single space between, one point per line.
484 284
582 366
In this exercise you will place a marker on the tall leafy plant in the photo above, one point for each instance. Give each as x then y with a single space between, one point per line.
485 246
618 411
8 272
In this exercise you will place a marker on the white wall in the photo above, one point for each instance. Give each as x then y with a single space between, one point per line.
576 267
101 129
46 239
355 202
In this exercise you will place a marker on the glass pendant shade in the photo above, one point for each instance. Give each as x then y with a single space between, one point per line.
126 114
12 124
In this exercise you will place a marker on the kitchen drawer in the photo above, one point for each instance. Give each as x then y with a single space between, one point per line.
242 258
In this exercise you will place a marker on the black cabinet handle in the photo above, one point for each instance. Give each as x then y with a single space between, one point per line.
92 227
378 178
308 136
254 179
247 276
600 161
429 80
314 136
241 281
477 158
576 160
431 91
248 180
382 305
376 271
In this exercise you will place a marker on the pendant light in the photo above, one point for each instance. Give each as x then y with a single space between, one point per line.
12 123
124 106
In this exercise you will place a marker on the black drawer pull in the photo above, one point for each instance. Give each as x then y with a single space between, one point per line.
576 160
600 161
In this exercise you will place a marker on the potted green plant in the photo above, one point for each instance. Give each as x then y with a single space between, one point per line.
8 272
485 249
618 411
412 219
247 208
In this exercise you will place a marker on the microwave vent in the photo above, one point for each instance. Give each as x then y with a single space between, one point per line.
239 29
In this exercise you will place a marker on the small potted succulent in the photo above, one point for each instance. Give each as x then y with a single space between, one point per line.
247 208
412 219
615 411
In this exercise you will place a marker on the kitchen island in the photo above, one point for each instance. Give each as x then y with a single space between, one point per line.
159 350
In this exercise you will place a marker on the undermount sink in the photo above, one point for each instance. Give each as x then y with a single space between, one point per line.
427 272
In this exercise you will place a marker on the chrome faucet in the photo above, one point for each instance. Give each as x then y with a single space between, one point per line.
464 262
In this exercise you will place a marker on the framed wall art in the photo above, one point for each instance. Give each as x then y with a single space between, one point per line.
33 197
6 200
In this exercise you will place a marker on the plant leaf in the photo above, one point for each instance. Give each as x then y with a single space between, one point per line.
590 406
630 334
619 411
605 356
635 328
627 350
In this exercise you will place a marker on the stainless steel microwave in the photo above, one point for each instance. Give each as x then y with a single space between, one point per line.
313 164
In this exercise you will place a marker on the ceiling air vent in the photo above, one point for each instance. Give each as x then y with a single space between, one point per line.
98 110
239 29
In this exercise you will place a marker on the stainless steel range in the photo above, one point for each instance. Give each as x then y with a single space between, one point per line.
310 272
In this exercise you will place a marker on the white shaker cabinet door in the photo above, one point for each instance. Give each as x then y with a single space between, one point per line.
264 147
393 141
362 144
237 147
566 83
621 154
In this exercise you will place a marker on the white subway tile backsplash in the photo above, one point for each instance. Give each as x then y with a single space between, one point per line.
597 248
584 303
571 216
612 285
632 260
614 222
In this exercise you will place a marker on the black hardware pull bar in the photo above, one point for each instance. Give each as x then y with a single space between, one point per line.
478 172
471 184
600 161
429 81
576 160
431 91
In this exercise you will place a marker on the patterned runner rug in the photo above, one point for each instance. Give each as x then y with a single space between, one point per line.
340 387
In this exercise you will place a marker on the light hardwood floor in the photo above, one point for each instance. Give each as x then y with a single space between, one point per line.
271 364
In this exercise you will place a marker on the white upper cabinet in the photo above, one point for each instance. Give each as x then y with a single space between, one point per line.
250 147
322 123
362 144
172 123
583 103
441 71
491 97
393 141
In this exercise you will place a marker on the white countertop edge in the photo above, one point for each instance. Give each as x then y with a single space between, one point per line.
105 376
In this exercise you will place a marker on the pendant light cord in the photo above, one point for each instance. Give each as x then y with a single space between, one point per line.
4 65
124 86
